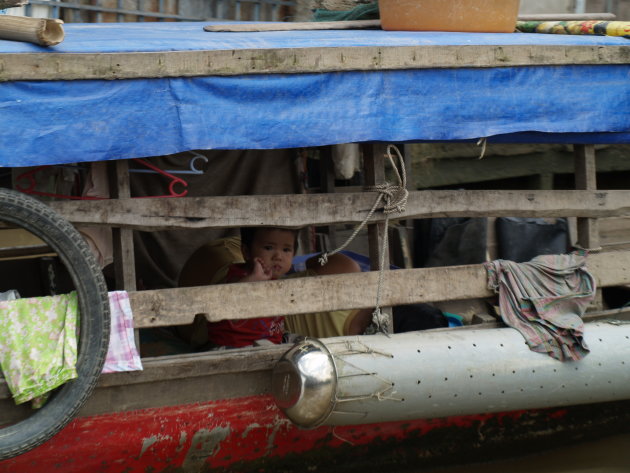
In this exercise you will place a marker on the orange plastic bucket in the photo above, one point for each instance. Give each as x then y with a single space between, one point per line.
492 16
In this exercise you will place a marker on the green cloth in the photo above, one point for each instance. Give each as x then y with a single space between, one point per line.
38 344
368 11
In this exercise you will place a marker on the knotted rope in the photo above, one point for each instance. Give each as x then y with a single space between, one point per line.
391 198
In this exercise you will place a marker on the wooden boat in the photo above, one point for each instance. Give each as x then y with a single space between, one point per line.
116 92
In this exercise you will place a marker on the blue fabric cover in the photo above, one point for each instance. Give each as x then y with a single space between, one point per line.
73 121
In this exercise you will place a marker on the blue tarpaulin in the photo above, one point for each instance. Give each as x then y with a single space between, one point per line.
54 122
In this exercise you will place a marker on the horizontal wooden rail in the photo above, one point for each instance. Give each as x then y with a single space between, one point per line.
132 65
314 294
320 209
22 251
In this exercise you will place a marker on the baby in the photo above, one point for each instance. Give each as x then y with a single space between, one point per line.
268 254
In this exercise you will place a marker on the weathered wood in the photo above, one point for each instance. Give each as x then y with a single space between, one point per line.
322 209
450 171
293 26
324 293
22 251
132 65
327 186
614 231
124 260
369 24
374 170
586 178
42 31
180 367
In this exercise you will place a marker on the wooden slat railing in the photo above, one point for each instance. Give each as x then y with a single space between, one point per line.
314 294
321 209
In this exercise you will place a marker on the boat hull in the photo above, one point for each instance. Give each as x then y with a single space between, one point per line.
251 434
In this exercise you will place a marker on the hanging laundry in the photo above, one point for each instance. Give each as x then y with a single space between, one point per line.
38 344
544 299
122 354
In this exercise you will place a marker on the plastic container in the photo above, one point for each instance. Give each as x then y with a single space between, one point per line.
490 16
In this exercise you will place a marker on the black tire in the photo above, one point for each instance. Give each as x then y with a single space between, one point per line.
62 237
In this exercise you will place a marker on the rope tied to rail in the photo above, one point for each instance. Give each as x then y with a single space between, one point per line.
391 198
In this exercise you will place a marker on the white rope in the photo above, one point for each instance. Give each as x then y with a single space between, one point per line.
392 198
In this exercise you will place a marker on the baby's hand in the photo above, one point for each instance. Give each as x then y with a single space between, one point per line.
259 272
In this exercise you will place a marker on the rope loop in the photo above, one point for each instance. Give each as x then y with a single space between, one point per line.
391 198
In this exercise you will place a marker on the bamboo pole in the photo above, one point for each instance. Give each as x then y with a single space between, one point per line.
42 31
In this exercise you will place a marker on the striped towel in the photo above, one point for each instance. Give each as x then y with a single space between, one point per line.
544 299
122 354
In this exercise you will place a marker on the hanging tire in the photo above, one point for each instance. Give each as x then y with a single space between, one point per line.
30 214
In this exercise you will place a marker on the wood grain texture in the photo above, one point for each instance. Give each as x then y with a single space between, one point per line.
324 293
132 65
322 209
292 26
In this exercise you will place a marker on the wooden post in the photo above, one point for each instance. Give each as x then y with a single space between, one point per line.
374 169
586 179
587 228
124 262
327 185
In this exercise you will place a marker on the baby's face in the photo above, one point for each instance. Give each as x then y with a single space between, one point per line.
275 248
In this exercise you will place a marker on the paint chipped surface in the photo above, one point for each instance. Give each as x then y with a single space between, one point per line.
275 428
147 442
205 443
182 441
251 435
249 428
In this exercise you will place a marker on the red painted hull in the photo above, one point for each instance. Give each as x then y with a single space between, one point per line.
251 434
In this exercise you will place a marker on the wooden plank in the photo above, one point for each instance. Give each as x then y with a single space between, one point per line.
614 231
450 171
586 179
324 293
22 251
122 237
292 26
322 209
198 364
367 24
133 65
327 186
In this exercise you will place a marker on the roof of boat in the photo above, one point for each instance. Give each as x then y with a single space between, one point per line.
182 88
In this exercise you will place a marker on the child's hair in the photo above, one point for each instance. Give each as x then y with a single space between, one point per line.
248 234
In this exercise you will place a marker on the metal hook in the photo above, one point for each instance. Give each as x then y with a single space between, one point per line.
191 165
